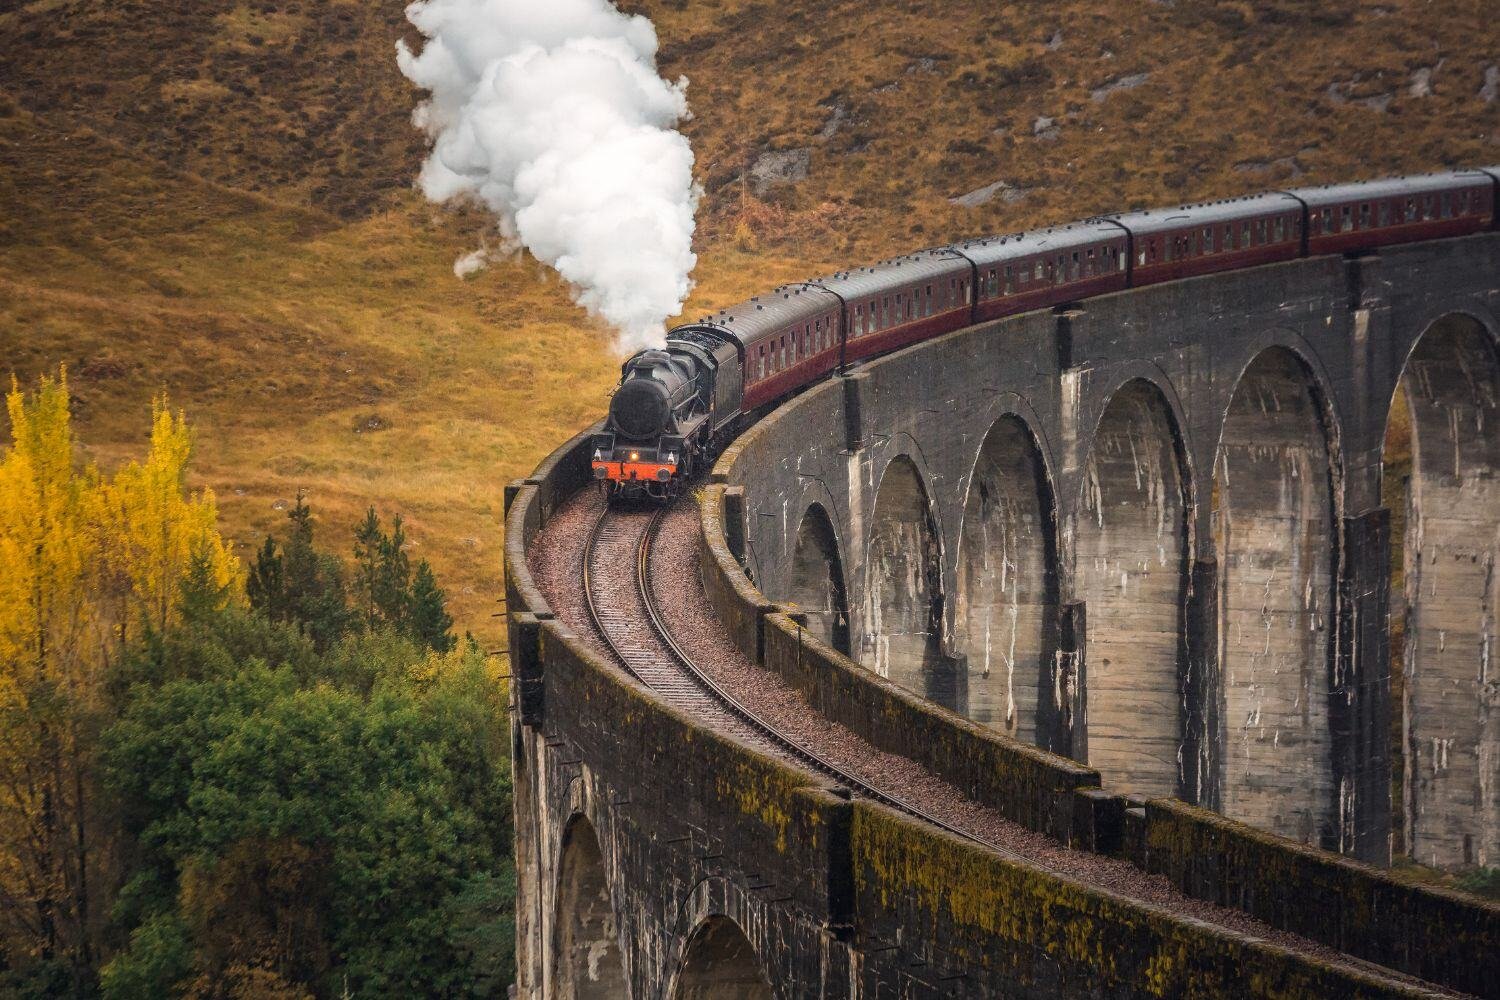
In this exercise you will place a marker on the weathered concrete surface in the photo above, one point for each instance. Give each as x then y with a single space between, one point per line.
1024 559
816 585
1131 549
1006 588
658 859
1452 685
1275 546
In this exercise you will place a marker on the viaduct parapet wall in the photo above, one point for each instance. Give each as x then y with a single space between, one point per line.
1153 533
1054 476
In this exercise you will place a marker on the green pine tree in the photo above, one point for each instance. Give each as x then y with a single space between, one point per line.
428 620
311 583
393 579
367 556
266 585
200 591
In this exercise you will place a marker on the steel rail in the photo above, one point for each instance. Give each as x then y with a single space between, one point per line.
735 707
795 750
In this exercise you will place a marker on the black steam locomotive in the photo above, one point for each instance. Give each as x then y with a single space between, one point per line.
676 408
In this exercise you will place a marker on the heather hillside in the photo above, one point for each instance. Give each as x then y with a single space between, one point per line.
214 199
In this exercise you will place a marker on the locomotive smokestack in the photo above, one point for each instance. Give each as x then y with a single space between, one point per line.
551 113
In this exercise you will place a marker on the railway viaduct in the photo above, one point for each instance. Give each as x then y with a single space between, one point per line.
1201 575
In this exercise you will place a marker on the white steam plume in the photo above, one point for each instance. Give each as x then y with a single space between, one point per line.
552 114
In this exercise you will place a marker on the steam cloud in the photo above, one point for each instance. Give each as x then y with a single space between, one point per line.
551 113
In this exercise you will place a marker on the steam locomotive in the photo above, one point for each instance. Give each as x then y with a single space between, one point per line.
676 408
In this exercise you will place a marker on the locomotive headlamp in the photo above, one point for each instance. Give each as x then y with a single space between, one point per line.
635 456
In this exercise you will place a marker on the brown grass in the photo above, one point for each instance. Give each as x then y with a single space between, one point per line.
213 199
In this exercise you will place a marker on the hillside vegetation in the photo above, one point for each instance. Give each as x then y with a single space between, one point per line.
213 198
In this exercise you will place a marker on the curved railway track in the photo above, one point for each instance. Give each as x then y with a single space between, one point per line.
626 617
622 607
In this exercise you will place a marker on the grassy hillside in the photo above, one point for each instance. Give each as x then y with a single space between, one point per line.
213 199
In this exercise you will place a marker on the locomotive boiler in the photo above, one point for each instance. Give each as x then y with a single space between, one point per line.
673 407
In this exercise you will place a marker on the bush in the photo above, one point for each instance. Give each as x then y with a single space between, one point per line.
341 822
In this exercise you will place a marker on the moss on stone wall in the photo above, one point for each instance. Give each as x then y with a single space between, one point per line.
1025 926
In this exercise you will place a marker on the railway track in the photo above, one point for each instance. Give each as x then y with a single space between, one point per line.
625 614
624 610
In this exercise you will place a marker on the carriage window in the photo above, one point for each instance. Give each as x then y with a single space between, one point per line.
1364 215
1447 206
1345 223
1383 213
1208 239
1327 220
1279 232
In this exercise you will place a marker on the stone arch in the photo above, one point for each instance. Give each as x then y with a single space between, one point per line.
1275 537
589 964
719 963
1006 589
816 585
1131 549
1441 459
903 588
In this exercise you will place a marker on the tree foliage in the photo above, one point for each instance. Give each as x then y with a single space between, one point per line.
296 583
273 809
87 562
304 795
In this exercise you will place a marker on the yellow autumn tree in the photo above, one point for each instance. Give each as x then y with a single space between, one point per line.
85 561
